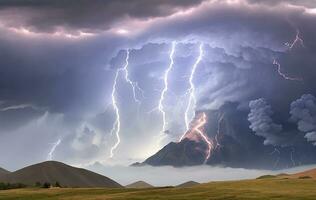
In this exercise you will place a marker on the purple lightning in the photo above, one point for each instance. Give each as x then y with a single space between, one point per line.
191 92
296 40
276 63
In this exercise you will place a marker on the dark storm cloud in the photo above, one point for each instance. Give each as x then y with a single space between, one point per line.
74 77
262 123
48 16
53 74
305 3
303 111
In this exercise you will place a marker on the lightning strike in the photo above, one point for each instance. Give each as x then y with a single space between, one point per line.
165 89
134 85
117 123
296 40
196 132
292 157
210 146
278 158
191 92
276 63
217 144
290 45
52 150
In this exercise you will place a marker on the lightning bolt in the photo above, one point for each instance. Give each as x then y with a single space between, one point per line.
201 122
278 159
292 157
276 63
196 132
296 40
218 132
165 89
290 45
191 92
52 150
117 123
134 85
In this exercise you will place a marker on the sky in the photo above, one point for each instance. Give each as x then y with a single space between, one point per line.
68 69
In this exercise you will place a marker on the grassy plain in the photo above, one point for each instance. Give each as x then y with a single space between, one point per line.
261 189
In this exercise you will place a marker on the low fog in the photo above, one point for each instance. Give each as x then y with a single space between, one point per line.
170 176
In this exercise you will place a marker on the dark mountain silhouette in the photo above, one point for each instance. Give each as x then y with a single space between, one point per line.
3 171
178 154
52 171
238 146
139 184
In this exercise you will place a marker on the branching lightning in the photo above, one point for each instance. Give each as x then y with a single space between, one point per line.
165 89
191 92
296 40
197 129
276 150
117 123
134 85
52 150
290 45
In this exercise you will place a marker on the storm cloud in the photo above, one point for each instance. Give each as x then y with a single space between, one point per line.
262 123
58 60
303 111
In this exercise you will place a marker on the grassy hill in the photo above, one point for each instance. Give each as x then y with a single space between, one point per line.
280 187
188 184
262 189
52 171
139 184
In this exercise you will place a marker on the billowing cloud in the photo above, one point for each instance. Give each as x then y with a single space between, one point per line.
303 111
60 58
260 117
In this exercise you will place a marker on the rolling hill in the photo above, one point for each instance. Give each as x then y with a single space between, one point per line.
139 184
3 171
188 184
52 171
276 189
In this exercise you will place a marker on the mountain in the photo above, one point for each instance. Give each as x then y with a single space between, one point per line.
52 171
139 184
188 184
3 171
234 145
178 154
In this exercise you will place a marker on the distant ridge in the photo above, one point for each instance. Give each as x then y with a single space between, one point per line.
308 173
3 171
52 171
188 184
139 184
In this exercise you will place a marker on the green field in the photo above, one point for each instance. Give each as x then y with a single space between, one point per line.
287 189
